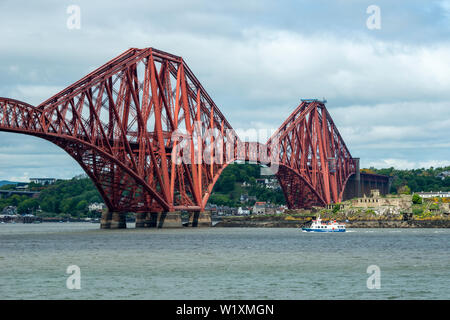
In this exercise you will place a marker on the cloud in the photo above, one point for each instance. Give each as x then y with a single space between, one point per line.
24 178
388 91
34 93
405 164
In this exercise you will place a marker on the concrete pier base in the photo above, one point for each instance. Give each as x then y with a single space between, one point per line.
169 220
105 222
151 219
159 220
118 220
140 219
200 219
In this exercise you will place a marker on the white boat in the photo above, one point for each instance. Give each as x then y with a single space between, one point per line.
319 226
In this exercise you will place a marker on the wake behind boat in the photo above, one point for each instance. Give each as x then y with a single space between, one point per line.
319 226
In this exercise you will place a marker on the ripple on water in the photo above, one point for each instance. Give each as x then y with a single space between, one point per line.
221 263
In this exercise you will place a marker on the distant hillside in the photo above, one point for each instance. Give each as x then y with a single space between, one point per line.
69 197
5 182
72 197
416 180
228 188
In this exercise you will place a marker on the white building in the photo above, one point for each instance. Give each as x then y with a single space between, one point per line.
243 211
438 194
43 181
96 206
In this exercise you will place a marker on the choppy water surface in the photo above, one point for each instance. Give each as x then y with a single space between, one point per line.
221 263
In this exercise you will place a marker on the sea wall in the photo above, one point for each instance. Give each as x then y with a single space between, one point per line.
399 224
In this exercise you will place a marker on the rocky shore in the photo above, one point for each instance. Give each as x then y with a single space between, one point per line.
289 222
399 224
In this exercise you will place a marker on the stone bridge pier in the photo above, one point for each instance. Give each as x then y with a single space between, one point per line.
117 220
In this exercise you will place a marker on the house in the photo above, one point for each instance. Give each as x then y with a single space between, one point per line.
226 211
96 206
269 183
9 210
243 211
281 209
22 187
443 175
247 198
259 207
244 198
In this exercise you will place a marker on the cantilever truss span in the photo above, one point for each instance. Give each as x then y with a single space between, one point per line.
314 162
119 124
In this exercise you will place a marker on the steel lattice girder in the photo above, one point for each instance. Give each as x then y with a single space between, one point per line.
118 124
312 156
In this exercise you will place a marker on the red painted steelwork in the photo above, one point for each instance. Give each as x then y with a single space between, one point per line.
118 124
314 161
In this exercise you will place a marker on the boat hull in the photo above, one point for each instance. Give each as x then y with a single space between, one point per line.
322 230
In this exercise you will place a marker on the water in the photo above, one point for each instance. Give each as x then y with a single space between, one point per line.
221 263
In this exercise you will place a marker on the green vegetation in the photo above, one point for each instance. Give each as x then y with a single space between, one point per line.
31 186
228 188
64 197
404 190
416 180
336 208
73 196
416 199
15 201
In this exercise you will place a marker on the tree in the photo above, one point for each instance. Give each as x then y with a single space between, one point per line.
226 184
416 199
49 205
27 206
82 206
404 190
15 200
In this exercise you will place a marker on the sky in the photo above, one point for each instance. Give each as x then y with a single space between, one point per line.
387 88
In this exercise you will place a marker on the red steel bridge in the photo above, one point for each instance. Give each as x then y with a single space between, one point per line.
153 141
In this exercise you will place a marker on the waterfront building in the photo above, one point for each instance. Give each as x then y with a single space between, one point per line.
96 206
243 211
259 207
9 210
431 194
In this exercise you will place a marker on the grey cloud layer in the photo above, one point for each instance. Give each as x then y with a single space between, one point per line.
388 90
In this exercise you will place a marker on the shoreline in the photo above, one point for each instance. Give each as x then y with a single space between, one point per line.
291 222
271 222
